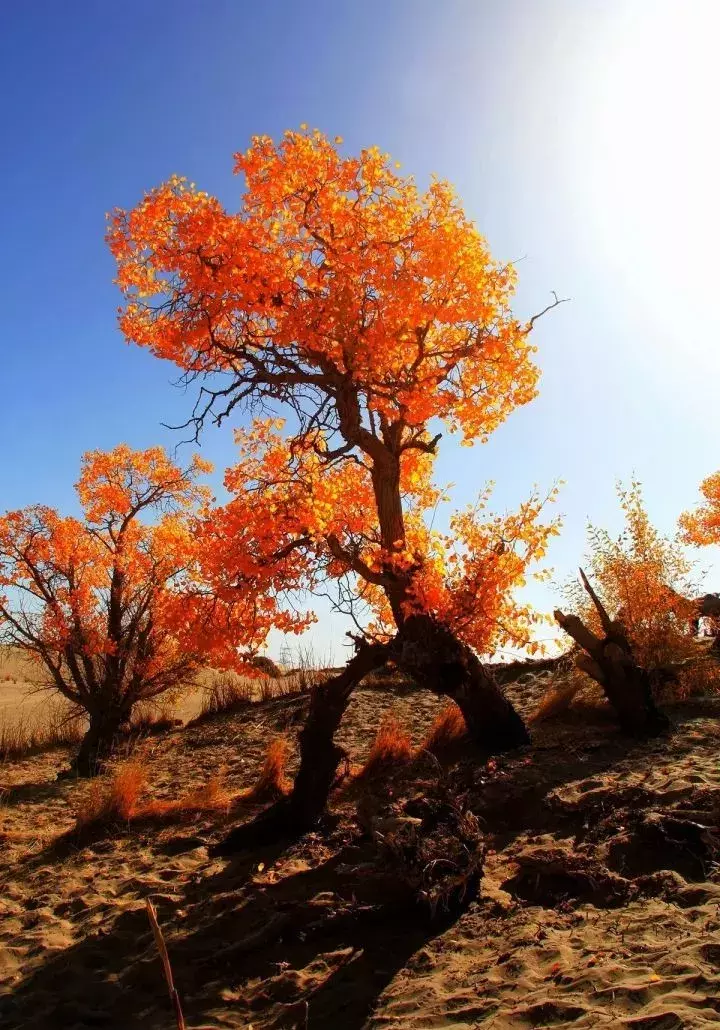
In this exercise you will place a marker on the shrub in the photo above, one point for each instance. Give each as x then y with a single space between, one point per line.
447 730
271 782
392 746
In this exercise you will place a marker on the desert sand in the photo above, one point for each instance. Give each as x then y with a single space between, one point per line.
597 906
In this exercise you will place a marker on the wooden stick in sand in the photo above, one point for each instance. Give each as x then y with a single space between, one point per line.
165 958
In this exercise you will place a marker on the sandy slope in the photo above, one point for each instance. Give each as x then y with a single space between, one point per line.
589 913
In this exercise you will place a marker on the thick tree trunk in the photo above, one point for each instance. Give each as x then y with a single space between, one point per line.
99 742
610 661
319 754
319 759
435 658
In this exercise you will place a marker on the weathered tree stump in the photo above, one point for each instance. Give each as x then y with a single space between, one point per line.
610 661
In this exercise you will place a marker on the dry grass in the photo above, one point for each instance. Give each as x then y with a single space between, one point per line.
447 730
29 733
116 799
113 799
210 797
226 692
392 746
559 696
272 782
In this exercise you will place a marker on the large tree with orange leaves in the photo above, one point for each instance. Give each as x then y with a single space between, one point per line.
374 312
114 606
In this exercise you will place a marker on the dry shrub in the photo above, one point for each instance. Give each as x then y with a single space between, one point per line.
392 746
113 799
27 735
447 730
697 679
271 782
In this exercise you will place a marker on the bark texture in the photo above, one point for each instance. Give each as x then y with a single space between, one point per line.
434 657
610 661
106 726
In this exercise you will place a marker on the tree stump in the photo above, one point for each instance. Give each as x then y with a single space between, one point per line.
610 661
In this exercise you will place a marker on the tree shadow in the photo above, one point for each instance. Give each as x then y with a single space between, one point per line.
317 946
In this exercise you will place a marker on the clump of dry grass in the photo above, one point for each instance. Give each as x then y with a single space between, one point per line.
392 746
26 735
447 730
114 799
559 696
272 782
226 692
210 797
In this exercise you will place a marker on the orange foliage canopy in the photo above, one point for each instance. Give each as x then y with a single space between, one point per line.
304 521
702 526
334 268
118 609
643 579
372 310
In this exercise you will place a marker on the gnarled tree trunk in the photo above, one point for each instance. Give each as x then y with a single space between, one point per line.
435 658
319 757
106 726
610 661
319 754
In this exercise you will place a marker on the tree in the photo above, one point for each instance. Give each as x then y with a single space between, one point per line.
701 527
643 579
372 311
115 609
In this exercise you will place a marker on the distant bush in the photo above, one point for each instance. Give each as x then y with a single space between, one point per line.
644 580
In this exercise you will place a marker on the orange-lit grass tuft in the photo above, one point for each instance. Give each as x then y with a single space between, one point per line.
272 782
447 730
210 797
116 800
113 800
392 746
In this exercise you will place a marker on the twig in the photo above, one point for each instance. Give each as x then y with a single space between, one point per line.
160 943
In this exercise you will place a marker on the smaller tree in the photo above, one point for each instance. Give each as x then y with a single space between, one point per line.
115 608
701 527
633 612
645 580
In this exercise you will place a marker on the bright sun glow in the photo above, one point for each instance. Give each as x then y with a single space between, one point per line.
648 112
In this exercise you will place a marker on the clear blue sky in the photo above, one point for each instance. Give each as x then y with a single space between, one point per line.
580 135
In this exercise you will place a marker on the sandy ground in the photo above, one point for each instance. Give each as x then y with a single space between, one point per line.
599 904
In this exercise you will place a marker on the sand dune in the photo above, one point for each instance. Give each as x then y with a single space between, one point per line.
593 909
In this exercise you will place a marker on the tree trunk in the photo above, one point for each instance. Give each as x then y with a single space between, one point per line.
433 656
610 661
100 740
319 754
319 758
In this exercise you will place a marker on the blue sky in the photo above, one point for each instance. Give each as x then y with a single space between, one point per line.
579 135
